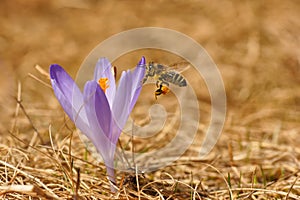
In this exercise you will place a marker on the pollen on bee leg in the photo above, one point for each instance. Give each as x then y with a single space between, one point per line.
161 90
103 83
165 90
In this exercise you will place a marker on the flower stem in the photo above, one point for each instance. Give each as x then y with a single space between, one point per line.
111 177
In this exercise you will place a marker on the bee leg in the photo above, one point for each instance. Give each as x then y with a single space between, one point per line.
158 92
157 82
160 86
145 79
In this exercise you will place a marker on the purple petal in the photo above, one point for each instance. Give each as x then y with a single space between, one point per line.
142 61
103 111
122 101
103 69
100 120
96 106
129 88
69 96
138 75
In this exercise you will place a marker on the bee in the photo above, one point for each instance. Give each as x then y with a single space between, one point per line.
164 75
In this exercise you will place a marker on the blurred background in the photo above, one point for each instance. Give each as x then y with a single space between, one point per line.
255 44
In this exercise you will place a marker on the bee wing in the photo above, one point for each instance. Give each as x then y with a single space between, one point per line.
179 66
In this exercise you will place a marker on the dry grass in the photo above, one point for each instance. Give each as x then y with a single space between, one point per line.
256 47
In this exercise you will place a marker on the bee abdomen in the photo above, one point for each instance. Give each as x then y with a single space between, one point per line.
174 78
182 83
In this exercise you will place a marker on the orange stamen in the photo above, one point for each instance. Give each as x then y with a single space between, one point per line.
103 82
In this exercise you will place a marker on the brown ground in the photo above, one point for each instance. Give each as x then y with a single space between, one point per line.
256 47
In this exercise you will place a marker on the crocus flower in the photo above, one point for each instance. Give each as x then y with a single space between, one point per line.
101 111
